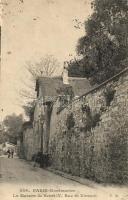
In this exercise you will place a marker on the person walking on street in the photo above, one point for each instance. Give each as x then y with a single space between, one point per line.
12 153
9 153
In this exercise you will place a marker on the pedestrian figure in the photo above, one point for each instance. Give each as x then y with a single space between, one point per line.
8 152
12 153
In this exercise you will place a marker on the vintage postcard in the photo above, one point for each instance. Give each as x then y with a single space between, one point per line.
64 100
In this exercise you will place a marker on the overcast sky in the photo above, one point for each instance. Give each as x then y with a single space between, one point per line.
32 29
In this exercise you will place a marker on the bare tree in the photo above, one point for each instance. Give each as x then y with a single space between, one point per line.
48 66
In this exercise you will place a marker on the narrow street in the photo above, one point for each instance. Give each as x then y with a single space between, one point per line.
19 180
20 171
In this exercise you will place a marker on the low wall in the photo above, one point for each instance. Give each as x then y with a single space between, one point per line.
89 138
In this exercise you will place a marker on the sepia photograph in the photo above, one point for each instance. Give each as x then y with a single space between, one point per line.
64 99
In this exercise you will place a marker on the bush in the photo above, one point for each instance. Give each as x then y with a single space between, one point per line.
70 122
109 95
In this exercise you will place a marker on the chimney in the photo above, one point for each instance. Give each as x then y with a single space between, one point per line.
65 73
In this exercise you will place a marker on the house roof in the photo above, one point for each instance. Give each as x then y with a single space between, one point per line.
79 85
52 87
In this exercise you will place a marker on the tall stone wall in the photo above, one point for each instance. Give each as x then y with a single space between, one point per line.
37 129
28 143
37 137
89 138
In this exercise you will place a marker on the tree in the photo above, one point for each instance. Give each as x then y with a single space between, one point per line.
13 126
3 136
47 66
29 110
105 45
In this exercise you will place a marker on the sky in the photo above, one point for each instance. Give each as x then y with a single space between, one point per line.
32 29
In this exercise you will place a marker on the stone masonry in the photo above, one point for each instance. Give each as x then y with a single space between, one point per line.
89 137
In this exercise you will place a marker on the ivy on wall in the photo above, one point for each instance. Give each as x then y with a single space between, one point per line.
109 95
70 122
92 119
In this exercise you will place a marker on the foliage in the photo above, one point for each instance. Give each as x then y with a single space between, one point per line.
109 95
13 125
86 108
73 69
104 46
92 119
29 110
47 66
95 119
3 136
70 122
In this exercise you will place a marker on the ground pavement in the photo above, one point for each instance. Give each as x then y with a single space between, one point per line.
20 180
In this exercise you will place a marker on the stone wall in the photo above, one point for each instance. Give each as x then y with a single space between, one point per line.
20 150
28 143
89 138
37 128
41 127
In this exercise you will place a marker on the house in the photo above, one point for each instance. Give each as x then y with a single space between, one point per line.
53 92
